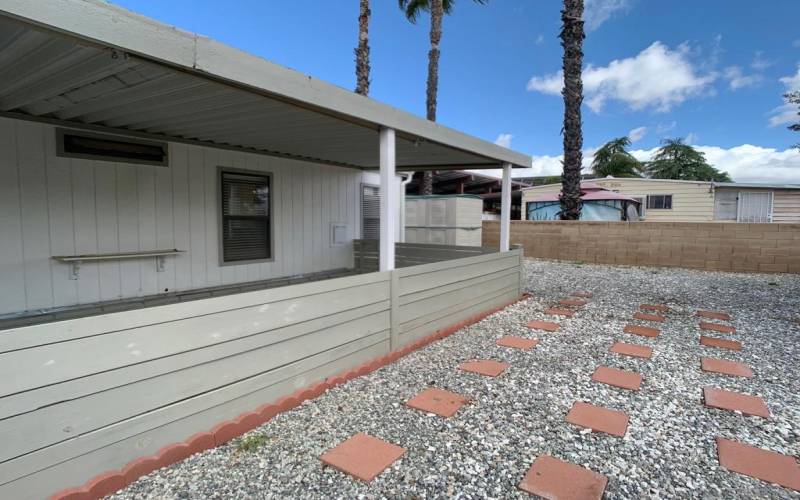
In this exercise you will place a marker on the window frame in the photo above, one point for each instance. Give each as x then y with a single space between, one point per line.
642 205
361 208
671 204
63 153
221 170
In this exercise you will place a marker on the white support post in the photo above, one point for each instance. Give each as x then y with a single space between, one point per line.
505 210
389 199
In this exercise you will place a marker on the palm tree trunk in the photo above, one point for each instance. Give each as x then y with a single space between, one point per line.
437 13
362 51
572 36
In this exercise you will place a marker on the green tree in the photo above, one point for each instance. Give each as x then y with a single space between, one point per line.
678 160
572 35
614 159
362 50
794 98
437 10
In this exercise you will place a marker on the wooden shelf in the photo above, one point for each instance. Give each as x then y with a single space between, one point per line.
75 260
116 256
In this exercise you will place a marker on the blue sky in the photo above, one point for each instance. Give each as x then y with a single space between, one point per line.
711 71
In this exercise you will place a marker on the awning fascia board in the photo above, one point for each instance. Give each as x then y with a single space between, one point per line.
110 26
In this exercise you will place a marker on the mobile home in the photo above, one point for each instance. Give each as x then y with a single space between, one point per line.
669 200
180 238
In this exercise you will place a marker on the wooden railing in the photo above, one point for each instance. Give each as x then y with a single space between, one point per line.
366 254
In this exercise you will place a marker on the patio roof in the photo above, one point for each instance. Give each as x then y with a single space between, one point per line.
93 65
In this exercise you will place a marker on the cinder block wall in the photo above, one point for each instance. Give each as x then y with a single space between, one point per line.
713 246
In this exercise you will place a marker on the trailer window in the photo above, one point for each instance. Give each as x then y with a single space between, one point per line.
246 233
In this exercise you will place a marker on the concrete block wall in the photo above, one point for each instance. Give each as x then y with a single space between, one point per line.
712 246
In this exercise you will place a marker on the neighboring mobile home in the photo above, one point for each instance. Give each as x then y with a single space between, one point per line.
698 201
180 229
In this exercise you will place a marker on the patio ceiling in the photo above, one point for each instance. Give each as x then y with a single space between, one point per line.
91 65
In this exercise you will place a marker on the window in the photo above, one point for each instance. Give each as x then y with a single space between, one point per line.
659 201
90 146
754 206
642 204
245 221
370 212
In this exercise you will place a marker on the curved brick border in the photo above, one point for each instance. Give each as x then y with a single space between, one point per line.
115 480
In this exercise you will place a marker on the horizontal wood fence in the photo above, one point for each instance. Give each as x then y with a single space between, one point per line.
83 396
712 246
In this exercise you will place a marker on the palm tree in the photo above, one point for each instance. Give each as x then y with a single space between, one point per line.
794 98
614 159
572 36
677 160
437 9
362 51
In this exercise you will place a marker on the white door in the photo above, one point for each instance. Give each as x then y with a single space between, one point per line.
754 207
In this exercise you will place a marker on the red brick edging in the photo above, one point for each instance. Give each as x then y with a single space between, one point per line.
115 480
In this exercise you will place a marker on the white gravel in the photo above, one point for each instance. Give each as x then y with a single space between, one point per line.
483 451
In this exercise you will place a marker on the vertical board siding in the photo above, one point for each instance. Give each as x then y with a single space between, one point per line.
60 206
12 285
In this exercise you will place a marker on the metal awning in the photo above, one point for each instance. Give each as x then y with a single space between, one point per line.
88 64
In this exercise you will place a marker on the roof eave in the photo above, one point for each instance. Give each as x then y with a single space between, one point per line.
108 25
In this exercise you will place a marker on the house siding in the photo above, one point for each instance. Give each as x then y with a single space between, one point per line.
786 206
785 203
691 202
51 205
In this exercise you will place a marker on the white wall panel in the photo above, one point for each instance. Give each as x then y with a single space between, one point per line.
58 206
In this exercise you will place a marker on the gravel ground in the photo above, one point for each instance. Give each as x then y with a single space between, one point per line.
483 451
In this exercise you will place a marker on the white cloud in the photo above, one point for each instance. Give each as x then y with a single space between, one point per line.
792 82
656 78
760 63
596 12
783 115
738 80
745 163
748 163
691 138
786 113
637 134
663 128
504 140
796 43
540 39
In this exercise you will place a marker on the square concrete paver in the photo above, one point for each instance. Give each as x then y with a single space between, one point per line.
438 401
725 367
714 315
363 456
716 327
598 418
554 311
548 326
552 478
488 367
572 302
732 345
649 317
735 401
635 350
758 463
654 307
618 378
644 331
517 342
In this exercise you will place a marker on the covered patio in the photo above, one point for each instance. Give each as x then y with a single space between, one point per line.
132 319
